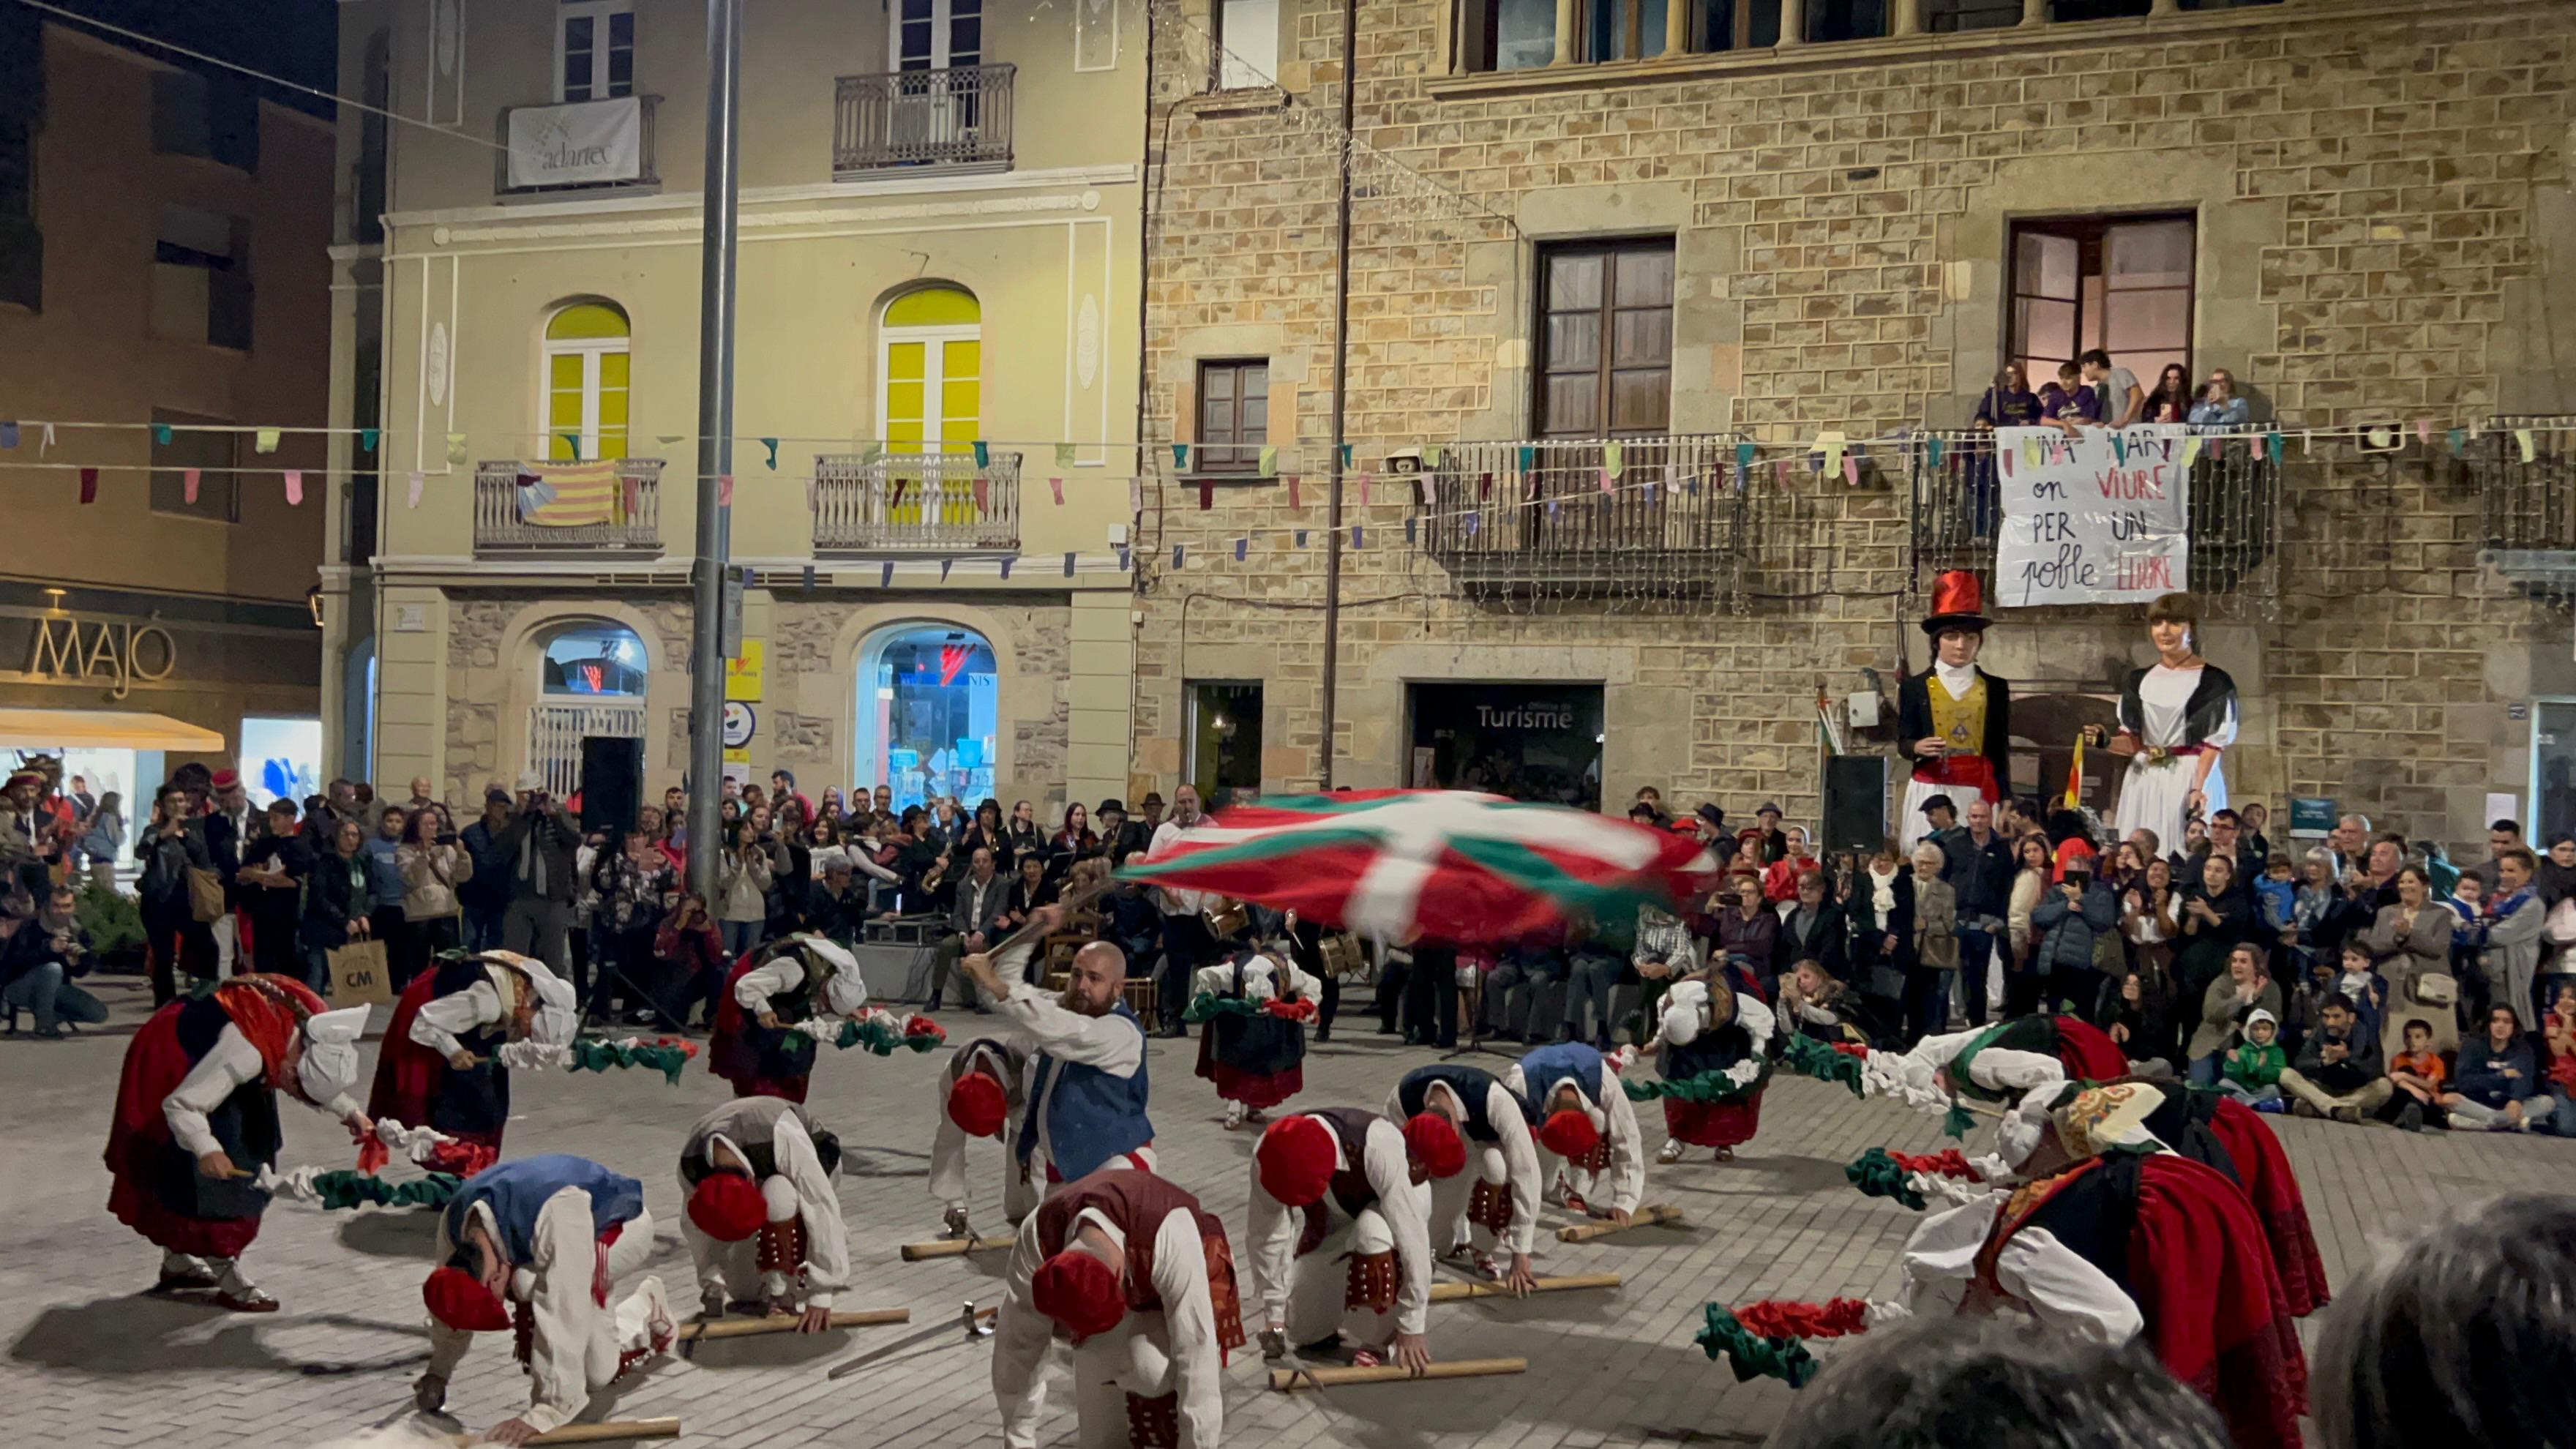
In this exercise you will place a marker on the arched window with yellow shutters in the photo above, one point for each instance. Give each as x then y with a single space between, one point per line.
930 396
586 367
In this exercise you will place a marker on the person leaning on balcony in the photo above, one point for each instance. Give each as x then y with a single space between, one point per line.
2219 406
2115 389
2009 403
2068 399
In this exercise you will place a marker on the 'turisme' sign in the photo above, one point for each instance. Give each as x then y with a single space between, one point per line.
68 649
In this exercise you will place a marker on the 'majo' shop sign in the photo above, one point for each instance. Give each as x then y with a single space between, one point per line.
67 650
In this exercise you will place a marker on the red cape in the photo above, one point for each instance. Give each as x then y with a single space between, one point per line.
2215 1313
2087 1054
2273 1189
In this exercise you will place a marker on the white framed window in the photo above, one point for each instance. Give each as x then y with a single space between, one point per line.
930 352
1247 40
595 50
585 373
936 35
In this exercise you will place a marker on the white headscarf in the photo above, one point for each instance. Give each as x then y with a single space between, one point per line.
557 1019
845 991
329 1064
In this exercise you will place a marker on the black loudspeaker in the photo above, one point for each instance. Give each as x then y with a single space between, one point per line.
612 781
1855 802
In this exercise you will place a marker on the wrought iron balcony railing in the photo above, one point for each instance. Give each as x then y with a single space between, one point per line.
957 119
916 503
512 516
1567 518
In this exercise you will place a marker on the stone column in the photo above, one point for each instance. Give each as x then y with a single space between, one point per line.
1793 23
1677 26
1566 11
2165 7
1909 18
2034 12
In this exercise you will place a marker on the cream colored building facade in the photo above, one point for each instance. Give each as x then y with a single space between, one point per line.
937 307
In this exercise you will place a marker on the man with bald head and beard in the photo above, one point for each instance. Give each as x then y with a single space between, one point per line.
1086 1085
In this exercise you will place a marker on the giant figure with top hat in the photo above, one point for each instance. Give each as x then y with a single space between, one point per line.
1954 720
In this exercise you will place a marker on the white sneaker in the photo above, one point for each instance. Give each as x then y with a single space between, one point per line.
1233 1116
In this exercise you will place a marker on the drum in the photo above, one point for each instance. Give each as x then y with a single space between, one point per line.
1341 955
1227 919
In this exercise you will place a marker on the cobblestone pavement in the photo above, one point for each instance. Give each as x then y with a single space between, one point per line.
90 1362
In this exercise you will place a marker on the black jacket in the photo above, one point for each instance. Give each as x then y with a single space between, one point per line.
1981 874
1914 722
1823 942
331 902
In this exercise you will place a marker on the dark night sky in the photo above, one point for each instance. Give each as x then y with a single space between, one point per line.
295 39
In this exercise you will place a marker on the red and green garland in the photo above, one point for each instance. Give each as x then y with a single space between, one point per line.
1207 1004
1768 1339
1881 1173
881 1034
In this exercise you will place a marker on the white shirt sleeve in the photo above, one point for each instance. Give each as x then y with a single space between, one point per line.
1198 1366
1627 1148
1274 1252
1300 985
1407 1208
1218 980
230 1064
1020 1341
1941 1253
2017 1072
442 1019
564 1256
947 1139
757 985
1114 1044
2064 1291
827 1239
1520 1164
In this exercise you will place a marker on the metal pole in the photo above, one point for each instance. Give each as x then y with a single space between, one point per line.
1341 395
715 442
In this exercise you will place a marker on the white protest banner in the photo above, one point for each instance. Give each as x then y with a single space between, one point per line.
583 143
2100 517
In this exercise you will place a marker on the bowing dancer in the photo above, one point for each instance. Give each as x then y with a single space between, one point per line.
1996 1064
1252 1040
1138 1280
2113 1236
196 1121
1086 1080
1441 1105
1586 1122
441 1065
1333 1187
764 1219
981 1094
535 1245
759 1044
1716 1035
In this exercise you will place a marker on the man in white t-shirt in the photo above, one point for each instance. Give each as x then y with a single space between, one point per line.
1188 944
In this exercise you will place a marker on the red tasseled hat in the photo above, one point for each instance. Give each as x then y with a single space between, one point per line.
1434 1142
1079 1291
1569 1133
1295 1160
459 1300
977 1104
727 1206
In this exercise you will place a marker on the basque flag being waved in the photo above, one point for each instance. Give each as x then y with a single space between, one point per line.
1452 866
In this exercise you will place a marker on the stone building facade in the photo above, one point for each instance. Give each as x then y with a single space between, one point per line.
2379 219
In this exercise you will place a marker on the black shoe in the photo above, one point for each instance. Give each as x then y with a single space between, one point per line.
931 1005
1323 1034
2411 1118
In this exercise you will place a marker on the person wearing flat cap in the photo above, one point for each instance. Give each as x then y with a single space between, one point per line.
1137 1280
1953 720
196 1120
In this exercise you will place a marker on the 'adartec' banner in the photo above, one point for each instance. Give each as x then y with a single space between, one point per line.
579 143
2101 518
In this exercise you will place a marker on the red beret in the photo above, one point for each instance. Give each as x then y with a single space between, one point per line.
1079 1291
1569 1133
977 1104
1433 1141
459 1300
727 1206
1295 1160
225 779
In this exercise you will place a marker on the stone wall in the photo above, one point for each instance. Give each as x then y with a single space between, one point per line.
2377 191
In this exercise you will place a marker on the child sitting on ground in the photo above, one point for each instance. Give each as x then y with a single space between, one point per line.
2253 1071
2417 1073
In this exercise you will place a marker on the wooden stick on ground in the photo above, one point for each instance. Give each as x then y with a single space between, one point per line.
600 1433
1453 1292
786 1323
1289 1381
952 1248
1652 1214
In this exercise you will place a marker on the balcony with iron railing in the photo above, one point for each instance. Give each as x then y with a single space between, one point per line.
1574 518
519 514
956 119
2233 507
902 504
2527 507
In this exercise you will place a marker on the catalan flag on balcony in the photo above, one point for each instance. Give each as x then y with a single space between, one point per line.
568 495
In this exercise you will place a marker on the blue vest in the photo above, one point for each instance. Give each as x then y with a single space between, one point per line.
1542 1071
1092 1116
1473 1087
517 1190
